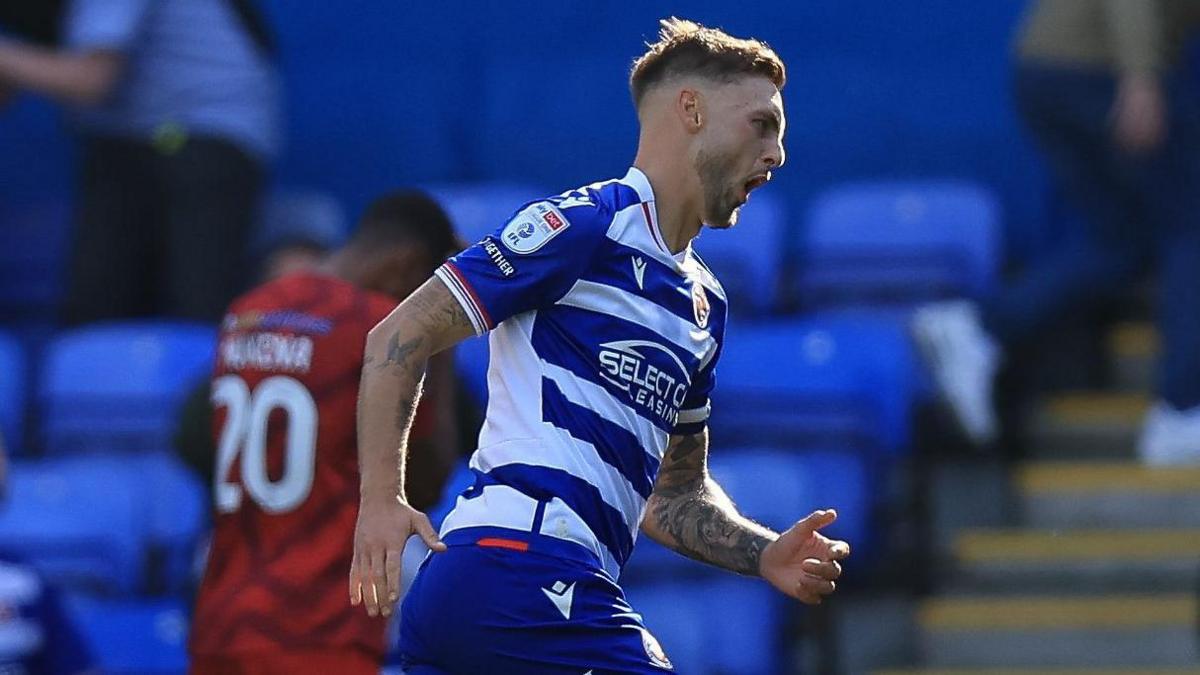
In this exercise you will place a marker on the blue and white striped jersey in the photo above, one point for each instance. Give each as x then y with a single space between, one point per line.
602 345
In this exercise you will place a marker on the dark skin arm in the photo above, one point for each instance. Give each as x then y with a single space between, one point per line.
689 513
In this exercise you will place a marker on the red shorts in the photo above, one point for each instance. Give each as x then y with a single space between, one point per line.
309 662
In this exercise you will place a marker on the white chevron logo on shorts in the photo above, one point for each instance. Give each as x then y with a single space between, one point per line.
639 271
561 595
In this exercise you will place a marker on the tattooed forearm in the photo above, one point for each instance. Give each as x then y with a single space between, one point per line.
691 514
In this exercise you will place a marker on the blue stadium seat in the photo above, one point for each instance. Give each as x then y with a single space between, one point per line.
12 393
899 243
674 612
80 520
748 259
478 209
119 386
133 636
34 240
721 624
176 502
844 381
94 521
777 487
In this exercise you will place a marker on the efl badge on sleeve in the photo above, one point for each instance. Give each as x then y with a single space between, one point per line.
533 227
700 304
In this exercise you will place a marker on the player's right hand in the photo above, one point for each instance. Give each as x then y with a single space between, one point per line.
384 526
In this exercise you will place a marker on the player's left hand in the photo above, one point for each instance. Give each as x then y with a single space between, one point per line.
803 563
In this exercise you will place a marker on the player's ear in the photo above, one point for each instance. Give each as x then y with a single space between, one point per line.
689 108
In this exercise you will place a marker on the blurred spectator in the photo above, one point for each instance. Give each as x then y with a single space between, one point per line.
36 636
176 107
1101 87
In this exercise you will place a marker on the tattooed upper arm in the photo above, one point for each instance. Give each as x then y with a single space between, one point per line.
430 320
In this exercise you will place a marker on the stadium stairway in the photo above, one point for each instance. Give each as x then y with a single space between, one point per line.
1078 561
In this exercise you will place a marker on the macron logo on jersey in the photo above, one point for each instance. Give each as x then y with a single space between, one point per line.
532 228
561 595
639 272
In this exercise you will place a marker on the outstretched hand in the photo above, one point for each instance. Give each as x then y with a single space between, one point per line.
803 563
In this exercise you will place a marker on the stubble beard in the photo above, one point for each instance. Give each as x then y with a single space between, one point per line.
720 204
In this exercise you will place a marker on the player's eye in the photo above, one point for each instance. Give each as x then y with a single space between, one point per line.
761 125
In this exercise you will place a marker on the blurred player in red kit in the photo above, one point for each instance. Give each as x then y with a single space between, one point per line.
286 486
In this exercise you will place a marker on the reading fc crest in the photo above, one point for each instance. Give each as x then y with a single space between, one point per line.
700 304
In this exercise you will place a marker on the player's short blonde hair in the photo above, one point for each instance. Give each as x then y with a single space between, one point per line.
687 48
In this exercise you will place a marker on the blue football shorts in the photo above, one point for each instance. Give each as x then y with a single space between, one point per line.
502 602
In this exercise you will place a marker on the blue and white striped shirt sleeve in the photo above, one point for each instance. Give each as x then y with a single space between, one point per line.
528 264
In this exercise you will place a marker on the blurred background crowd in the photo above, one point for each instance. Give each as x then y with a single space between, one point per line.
966 313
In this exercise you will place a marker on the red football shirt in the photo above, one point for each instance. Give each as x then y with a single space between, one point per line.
285 389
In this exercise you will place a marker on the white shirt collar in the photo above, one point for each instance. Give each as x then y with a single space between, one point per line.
637 180
640 183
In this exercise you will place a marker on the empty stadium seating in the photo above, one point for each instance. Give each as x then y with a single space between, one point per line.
479 209
106 523
133 637
116 387
80 520
843 381
719 624
898 243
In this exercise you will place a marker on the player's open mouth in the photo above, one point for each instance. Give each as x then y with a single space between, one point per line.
755 182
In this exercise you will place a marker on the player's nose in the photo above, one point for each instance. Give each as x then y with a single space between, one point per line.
775 156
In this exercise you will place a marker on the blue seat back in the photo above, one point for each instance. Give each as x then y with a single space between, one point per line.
719 624
133 636
94 521
748 258
479 209
119 386
899 243
835 381
12 393
80 520
176 505
777 487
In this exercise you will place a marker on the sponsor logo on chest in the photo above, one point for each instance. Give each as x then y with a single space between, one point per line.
654 377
